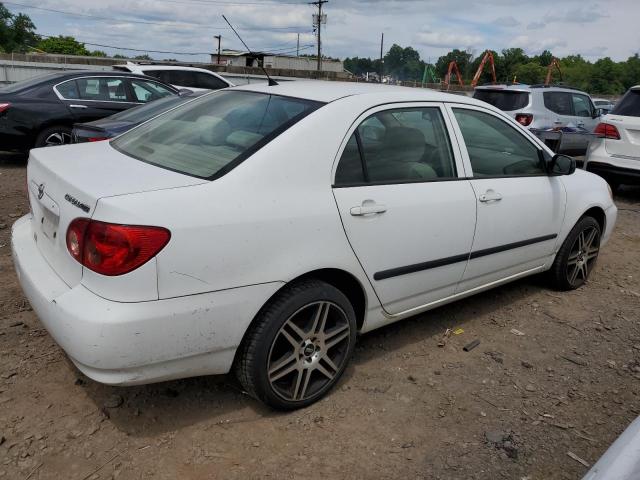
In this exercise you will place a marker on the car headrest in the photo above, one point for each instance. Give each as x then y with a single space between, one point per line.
213 130
403 144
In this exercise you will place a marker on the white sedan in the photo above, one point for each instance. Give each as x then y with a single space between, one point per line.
261 228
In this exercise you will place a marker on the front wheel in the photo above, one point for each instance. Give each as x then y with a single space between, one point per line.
577 256
299 346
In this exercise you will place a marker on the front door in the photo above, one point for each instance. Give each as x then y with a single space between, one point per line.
407 209
520 207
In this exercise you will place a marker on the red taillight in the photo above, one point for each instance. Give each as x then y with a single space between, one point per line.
524 119
112 249
606 130
4 106
97 139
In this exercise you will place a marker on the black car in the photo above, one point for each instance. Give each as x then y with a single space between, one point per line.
41 111
119 123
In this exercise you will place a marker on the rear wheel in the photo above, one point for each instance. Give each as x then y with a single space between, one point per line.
54 136
578 255
299 346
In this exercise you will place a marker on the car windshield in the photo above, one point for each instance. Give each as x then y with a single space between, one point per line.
506 100
211 135
629 106
150 110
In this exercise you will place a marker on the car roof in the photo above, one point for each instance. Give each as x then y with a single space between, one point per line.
328 91
517 87
143 66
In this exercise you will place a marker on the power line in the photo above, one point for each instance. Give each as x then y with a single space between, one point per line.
145 22
168 52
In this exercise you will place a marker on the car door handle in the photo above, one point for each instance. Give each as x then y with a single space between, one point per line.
78 106
367 208
490 196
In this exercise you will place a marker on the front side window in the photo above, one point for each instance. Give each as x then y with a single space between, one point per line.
496 149
209 136
396 146
581 105
102 89
145 91
558 102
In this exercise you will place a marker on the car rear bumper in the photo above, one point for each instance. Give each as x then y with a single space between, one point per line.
135 343
617 169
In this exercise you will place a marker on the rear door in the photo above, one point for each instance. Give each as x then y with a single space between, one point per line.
584 111
520 207
625 116
406 206
91 98
559 104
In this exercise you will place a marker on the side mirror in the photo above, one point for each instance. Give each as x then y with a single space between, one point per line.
598 112
562 165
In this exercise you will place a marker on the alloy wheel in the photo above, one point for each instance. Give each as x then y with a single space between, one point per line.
308 351
57 138
582 258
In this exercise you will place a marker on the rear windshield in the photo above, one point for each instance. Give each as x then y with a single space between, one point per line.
24 84
506 100
629 105
144 112
211 135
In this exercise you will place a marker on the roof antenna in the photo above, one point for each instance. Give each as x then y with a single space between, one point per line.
272 82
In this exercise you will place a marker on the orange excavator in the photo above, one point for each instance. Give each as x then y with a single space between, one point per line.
488 55
554 63
453 68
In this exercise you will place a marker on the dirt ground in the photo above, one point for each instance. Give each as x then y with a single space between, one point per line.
513 407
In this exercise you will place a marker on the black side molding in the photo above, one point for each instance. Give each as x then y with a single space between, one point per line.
418 267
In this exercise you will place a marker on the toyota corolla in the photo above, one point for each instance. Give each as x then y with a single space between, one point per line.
260 229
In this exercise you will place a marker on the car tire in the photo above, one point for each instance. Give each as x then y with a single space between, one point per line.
298 346
53 136
577 256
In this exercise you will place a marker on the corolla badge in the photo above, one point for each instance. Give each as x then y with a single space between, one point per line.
40 191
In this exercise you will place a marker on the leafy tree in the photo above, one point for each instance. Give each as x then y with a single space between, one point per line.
64 45
17 32
98 53
544 59
117 55
530 73
143 57
486 76
463 59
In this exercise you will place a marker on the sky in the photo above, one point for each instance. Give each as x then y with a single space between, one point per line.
433 27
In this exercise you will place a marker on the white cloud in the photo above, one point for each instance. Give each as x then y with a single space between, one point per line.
447 40
509 21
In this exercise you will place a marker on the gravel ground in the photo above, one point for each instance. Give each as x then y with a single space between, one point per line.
514 407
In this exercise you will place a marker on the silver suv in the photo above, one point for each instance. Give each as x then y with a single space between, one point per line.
544 106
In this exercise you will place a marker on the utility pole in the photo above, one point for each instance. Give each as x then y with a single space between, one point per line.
381 57
298 47
319 4
219 38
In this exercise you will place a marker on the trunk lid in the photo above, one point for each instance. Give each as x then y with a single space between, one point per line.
67 182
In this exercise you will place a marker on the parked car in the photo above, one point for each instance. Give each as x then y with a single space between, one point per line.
615 154
195 79
621 461
604 105
261 228
113 125
40 112
546 106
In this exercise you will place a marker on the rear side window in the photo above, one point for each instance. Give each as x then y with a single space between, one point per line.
209 136
102 89
496 149
558 102
505 100
396 146
629 105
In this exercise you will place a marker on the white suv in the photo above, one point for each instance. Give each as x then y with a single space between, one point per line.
195 79
541 106
615 153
